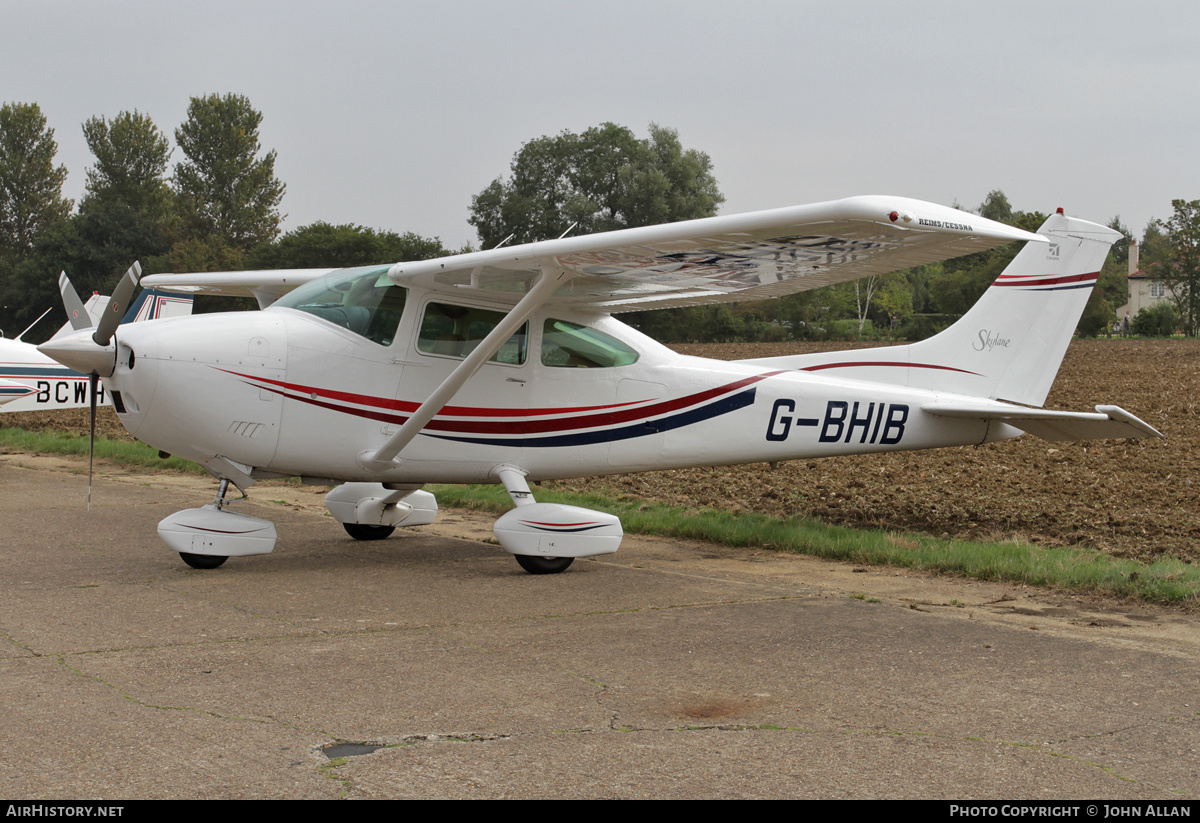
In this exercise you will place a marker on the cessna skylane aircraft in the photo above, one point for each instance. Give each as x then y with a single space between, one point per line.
507 366
31 381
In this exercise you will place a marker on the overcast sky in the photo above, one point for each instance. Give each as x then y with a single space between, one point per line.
393 114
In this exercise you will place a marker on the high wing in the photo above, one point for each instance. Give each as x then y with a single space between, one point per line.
266 286
713 260
724 259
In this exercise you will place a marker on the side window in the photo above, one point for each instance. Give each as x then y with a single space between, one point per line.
571 346
455 331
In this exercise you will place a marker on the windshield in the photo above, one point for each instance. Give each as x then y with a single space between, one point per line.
362 300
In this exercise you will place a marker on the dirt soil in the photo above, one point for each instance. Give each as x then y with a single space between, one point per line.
1129 498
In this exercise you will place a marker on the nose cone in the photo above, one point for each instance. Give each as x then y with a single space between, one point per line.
80 352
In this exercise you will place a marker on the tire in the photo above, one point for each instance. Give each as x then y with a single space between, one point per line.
364 531
543 565
202 561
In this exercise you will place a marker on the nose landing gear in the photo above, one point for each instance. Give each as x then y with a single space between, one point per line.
206 537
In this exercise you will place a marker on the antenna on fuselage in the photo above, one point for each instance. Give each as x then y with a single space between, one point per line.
568 231
31 325
505 240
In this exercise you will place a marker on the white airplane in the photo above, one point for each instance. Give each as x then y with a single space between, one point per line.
507 366
31 381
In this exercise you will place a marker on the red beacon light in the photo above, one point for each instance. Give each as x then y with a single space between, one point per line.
894 216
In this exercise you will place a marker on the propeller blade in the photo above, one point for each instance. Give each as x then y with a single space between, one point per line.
75 311
117 304
93 385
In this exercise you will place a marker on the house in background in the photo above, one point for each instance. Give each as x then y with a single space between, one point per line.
1144 290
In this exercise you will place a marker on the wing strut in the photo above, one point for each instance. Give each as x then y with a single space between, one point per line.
543 288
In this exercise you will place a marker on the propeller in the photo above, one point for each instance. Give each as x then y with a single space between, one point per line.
93 386
76 313
117 304
94 354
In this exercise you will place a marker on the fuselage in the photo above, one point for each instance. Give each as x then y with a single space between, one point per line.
36 382
307 389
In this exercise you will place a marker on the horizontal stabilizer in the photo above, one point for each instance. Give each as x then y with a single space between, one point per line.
14 391
1107 422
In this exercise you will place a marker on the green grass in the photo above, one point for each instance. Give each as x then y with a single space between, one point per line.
1166 581
118 451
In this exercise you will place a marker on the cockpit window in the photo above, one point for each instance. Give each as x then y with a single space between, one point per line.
571 346
362 300
456 331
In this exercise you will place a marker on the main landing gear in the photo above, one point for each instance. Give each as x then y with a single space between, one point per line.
543 565
372 511
363 531
547 537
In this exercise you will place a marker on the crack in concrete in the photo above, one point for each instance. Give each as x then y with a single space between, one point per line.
12 641
124 694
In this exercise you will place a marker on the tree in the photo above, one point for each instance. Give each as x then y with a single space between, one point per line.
996 207
125 213
1112 287
1097 317
1158 320
1155 243
321 244
131 164
30 184
225 189
600 180
1180 270
1120 249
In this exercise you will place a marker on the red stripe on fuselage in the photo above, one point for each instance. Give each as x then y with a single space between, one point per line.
893 363
560 424
409 406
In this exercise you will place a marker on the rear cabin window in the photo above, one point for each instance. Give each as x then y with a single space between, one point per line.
455 331
362 300
568 345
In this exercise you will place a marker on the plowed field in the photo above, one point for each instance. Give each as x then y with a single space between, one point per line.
1129 498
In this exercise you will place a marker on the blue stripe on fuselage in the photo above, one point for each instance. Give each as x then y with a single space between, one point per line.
648 427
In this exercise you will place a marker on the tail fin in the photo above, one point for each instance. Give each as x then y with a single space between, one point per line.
1012 341
152 303
149 305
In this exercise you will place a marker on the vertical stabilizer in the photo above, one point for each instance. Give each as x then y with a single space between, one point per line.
152 304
